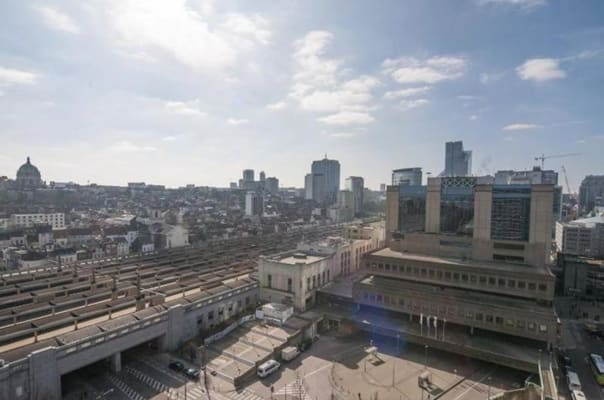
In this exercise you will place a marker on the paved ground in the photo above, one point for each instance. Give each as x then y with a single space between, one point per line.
333 368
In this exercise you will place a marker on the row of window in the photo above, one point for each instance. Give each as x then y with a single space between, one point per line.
451 311
479 280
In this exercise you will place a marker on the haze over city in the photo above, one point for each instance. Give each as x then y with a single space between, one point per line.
102 91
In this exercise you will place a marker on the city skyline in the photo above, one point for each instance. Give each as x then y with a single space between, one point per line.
93 94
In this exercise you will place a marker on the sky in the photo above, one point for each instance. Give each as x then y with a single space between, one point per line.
179 92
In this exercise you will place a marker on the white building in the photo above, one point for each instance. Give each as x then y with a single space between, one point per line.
56 220
582 237
176 236
253 204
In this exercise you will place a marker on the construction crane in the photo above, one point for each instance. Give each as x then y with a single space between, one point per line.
543 157
566 180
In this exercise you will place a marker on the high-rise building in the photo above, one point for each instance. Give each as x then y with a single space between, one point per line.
591 193
581 237
407 176
330 170
458 162
469 257
382 187
253 204
248 175
357 186
262 176
308 186
272 185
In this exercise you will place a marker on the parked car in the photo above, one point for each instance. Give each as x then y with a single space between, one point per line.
192 373
268 368
176 366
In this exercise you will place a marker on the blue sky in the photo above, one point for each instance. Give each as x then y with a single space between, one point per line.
178 92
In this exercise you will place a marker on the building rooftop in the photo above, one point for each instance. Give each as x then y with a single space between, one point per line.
502 266
300 258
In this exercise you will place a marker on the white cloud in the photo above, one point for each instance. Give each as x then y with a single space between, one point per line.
254 26
169 138
473 117
235 121
409 92
129 147
176 28
58 20
280 105
524 4
347 118
184 107
343 135
410 70
411 104
319 83
540 70
9 76
520 127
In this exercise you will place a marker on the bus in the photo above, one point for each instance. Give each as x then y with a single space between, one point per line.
597 366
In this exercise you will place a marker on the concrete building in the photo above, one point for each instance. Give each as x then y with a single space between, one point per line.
330 185
407 176
471 253
248 175
56 220
253 204
345 206
591 193
314 187
262 176
458 162
582 276
294 277
581 237
356 185
536 176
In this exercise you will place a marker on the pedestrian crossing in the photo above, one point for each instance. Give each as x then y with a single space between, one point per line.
124 388
147 380
244 395
294 389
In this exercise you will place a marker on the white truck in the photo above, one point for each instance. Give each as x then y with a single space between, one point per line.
289 353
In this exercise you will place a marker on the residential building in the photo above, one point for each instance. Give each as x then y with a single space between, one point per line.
458 162
345 206
330 186
356 185
407 176
272 185
56 220
591 193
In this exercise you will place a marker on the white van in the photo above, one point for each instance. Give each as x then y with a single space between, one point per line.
572 379
577 395
268 368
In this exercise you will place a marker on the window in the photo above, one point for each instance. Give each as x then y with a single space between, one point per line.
314 281
456 276
270 281
211 314
387 267
289 284
386 299
521 285
439 274
416 270
489 319
498 320
482 280
473 279
365 296
543 328
379 298
307 284
520 324
401 302
542 287
381 266
424 272
448 276
531 326
491 281
328 278
464 277
511 283
431 273
532 286
501 282
479 317
509 323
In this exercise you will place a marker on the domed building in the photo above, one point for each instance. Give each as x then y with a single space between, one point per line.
28 177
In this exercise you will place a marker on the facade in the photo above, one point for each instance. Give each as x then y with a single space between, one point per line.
253 204
582 237
582 276
407 176
470 253
591 193
330 185
55 220
28 177
534 176
458 162
356 185
294 277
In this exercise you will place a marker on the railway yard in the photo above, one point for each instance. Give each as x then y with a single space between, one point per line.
78 308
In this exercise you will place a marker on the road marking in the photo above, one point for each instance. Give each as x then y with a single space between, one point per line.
475 383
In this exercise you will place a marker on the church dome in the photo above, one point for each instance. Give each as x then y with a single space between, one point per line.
28 176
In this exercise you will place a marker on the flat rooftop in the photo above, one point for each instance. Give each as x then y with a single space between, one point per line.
502 266
292 260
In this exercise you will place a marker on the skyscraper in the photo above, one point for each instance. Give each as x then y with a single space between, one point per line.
591 193
356 185
248 175
407 176
330 169
458 162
